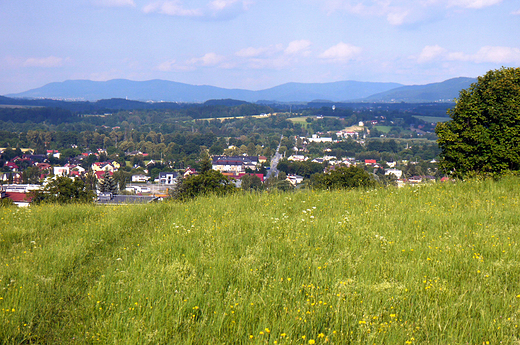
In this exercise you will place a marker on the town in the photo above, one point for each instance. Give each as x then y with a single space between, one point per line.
139 176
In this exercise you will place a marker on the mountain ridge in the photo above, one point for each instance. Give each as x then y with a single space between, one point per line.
159 90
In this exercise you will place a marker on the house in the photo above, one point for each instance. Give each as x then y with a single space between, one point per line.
75 170
106 166
16 177
99 174
189 171
236 164
396 172
316 139
295 179
61 171
20 196
140 178
43 166
297 158
54 153
168 178
240 175
370 161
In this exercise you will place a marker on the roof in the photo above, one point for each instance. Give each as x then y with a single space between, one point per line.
18 197
164 174
107 198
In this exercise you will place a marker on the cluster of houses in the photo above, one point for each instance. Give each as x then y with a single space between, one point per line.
235 167
389 167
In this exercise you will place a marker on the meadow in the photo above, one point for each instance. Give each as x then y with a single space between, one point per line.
434 264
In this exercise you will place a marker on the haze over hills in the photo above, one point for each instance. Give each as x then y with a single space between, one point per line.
169 91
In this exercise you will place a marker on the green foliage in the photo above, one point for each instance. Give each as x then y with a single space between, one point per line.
205 162
6 202
209 182
305 169
63 190
483 135
107 184
251 182
343 177
120 177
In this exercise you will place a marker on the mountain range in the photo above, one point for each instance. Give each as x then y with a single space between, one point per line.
169 91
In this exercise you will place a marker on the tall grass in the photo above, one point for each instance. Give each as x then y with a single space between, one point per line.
436 264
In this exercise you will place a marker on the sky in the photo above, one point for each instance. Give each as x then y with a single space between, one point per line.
254 44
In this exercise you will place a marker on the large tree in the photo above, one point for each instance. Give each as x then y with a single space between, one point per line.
64 190
483 135
341 177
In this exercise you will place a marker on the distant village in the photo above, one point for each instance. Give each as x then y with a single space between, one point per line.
140 187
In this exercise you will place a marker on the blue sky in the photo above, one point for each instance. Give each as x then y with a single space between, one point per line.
254 44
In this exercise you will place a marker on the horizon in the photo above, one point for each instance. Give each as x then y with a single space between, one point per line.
253 45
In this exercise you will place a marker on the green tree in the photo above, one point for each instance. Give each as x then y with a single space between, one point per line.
107 184
121 177
251 182
64 190
209 182
483 135
205 163
343 177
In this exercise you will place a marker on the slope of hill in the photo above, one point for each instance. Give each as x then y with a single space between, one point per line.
162 90
430 265
445 91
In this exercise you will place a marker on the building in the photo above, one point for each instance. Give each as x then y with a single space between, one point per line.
140 178
235 164
168 178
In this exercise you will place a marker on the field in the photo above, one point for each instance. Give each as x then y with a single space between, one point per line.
436 264
384 129
432 119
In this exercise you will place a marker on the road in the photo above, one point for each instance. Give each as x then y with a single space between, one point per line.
273 171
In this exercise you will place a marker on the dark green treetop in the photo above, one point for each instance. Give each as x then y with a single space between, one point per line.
483 135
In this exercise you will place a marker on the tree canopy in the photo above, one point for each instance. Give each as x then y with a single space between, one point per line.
64 190
483 135
343 177
208 182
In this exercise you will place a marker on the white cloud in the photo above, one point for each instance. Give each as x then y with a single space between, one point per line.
166 66
252 52
297 47
51 61
472 3
114 3
341 52
430 53
399 12
172 8
208 60
516 13
216 9
497 55
487 54
397 17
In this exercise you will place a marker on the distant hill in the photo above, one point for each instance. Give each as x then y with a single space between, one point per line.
444 91
169 91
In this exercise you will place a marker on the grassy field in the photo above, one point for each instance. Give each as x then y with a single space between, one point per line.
437 264
433 118
384 129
